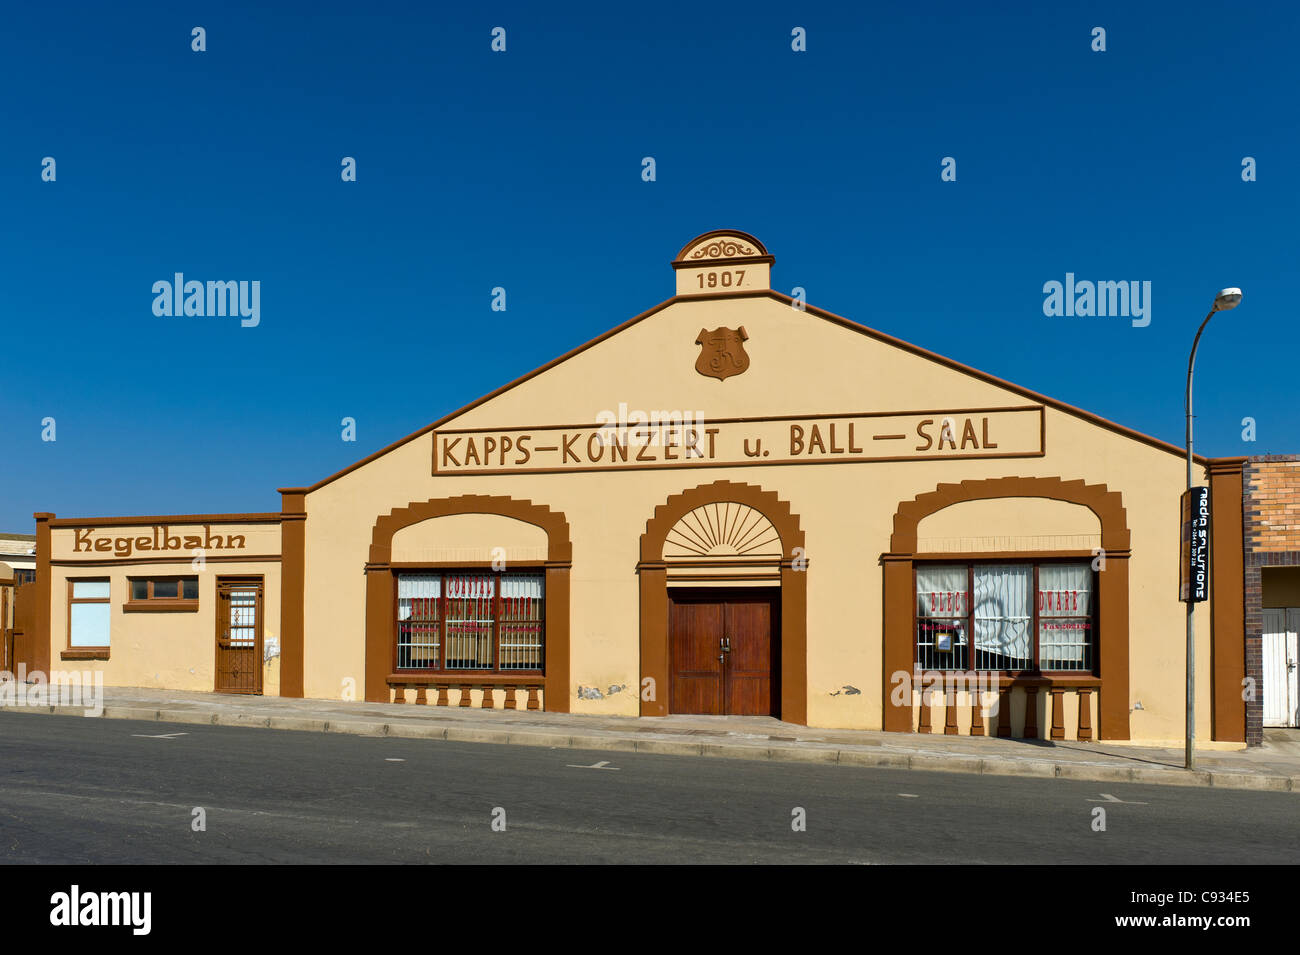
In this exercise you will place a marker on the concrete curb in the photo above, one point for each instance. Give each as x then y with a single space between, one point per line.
792 753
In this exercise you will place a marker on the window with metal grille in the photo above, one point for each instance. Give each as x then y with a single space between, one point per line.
1005 616
942 617
470 621
1065 617
243 617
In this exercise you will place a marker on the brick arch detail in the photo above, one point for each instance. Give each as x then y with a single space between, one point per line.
899 598
381 590
653 584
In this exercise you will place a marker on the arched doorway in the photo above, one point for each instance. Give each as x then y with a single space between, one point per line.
733 555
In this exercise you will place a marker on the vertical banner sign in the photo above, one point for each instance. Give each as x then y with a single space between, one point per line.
1194 554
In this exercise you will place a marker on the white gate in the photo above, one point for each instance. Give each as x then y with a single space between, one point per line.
1281 699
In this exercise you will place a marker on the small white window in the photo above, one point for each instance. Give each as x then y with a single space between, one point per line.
89 616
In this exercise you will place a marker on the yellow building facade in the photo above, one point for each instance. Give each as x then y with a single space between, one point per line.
734 502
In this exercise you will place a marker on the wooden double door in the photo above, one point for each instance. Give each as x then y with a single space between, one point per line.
724 652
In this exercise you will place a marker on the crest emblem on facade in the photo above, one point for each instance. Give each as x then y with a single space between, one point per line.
722 352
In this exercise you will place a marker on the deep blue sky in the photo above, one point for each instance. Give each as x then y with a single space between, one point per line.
522 170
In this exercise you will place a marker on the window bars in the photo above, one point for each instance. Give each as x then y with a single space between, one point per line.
986 616
470 621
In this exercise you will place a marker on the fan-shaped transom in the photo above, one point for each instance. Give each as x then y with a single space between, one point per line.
722 529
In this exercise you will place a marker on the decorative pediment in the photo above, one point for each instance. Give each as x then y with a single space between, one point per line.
721 245
722 262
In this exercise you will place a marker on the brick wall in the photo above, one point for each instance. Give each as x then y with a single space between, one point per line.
1271 526
1273 487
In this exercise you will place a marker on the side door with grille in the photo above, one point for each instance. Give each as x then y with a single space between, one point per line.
239 635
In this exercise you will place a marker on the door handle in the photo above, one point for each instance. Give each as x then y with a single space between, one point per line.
726 644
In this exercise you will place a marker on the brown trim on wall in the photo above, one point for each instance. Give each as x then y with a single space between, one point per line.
1105 503
556 651
730 262
459 564
939 556
900 601
821 416
160 606
898 607
86 653
128 562
706 463
652 571
293 589
166 519
40 640
1112 648
381 589
1228 601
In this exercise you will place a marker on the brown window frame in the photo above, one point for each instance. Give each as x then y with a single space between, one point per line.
152 604
497 575
100 652
1092 617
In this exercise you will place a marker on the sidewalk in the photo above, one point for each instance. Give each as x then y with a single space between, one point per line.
1274 766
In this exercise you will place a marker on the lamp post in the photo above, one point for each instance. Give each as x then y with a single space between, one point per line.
1227 299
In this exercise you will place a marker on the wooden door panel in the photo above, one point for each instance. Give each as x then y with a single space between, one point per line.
745 681
239 636
694 645
750 664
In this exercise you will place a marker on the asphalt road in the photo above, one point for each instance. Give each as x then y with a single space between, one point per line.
76 790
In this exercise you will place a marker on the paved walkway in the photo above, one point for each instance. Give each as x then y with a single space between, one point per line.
1273 766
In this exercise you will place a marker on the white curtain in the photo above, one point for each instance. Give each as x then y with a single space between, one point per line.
1003 612
411 587
471 586
1064 590
941 591
528 586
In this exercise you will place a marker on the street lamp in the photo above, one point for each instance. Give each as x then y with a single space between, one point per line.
1226 300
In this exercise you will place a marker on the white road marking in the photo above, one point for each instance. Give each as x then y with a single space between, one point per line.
603 764
1107 797
393 759
159 736
909 795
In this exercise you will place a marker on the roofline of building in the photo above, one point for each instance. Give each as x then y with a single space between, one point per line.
811 309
